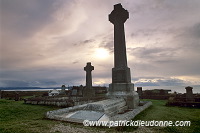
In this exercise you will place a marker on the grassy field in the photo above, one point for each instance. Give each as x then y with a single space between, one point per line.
16 117
160 112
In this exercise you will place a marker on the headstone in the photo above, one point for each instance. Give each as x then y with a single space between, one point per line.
77 91
121 85
74 92
80 90
62 92
88 91
189 94
17 96
139 91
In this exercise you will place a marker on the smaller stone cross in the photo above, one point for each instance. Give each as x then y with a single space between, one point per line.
88 70
89 91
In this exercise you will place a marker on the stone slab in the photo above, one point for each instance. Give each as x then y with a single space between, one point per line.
74 92
71 115
109 107
87 115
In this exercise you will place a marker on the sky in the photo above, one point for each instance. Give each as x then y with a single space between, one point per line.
47 43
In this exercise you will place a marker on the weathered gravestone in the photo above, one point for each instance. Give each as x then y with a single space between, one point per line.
80 90
0 94
77 91
121 85
189 94
17 97
74 92
139 91
187 99
62 92
88 91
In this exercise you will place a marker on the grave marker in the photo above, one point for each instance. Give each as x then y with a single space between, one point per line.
88 91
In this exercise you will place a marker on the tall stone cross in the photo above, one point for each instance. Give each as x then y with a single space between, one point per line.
88 91
120 72
121 86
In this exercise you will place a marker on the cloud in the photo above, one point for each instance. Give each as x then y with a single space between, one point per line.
25 83
154 54
14 83
51 41
25 16
160 82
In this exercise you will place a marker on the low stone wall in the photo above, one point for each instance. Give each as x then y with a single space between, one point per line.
184 104
61 101
11 95
155 97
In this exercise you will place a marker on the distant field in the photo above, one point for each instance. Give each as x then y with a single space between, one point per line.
16 117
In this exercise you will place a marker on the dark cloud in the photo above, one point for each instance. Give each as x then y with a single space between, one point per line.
107 42
75 62
42 77
108 45
14 83
154 54
85 42
25 83
195 31
146 84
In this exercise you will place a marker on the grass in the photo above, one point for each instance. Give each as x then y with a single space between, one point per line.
159 112
16 117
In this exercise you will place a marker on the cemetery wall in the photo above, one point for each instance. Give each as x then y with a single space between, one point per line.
61 101
11 95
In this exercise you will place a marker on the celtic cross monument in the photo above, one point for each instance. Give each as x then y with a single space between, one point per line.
121 85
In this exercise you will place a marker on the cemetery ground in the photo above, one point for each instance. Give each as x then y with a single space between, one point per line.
17 117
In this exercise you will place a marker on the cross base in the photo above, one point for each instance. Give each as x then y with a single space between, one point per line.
121 75
88 92
126 91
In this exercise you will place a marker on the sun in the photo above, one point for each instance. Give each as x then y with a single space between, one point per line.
101 53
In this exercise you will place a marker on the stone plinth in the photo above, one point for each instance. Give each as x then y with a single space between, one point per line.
121 75
124 90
